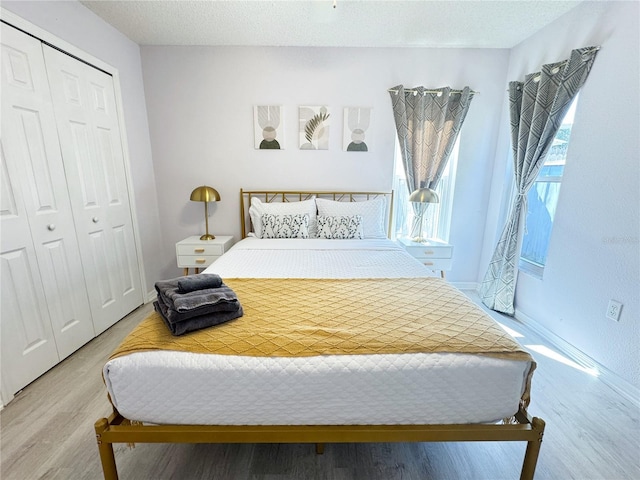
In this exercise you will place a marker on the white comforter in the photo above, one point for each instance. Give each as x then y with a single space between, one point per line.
317 258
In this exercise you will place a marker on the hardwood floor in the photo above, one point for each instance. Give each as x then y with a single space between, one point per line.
47 433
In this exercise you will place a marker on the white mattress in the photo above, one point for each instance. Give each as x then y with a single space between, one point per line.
187 388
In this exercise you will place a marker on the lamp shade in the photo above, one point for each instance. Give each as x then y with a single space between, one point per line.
424 195
205 194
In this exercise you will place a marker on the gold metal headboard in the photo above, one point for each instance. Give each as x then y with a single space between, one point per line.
271 196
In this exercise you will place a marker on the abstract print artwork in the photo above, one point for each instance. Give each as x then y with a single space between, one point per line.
268 127
314 128
356 123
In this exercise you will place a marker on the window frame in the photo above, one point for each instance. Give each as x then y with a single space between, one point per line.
527 265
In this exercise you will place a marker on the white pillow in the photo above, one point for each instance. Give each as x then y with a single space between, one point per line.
372 212
285 226
342 227
259 208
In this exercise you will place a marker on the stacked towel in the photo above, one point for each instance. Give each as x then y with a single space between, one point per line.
190 303
191 283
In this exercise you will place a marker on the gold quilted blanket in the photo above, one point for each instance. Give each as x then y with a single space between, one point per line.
307 317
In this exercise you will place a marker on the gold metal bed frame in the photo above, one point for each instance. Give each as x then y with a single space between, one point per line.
117 429
295 196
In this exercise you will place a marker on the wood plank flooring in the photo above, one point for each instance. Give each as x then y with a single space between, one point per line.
47 433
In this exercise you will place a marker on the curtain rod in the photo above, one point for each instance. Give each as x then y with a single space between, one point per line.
415 91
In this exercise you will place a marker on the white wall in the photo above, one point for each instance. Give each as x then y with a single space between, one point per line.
594 252
75 24
200 102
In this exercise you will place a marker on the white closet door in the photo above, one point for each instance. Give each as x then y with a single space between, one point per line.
31 144
85 108
27 340
27 344
33 151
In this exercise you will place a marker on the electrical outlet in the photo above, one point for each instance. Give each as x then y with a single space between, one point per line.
613 310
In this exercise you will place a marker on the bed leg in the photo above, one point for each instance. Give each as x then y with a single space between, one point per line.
319 448
107 457
533 449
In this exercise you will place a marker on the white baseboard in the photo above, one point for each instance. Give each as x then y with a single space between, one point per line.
151 296
608 377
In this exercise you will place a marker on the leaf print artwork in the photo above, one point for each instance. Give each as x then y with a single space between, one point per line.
313 124
314 128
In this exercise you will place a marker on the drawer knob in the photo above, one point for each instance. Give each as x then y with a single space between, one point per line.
95 219
198 250
200 260
51 227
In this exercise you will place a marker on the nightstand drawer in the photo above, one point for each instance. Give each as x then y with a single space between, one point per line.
433 254
200 250
430 251
199 254
197 261
436 263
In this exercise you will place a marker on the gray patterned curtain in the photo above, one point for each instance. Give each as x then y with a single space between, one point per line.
427 123
537 108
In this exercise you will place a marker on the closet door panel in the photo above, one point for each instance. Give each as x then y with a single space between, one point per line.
102 261
28 347
33 151
85 108
26 339
66 294
41 239
124 247
53 232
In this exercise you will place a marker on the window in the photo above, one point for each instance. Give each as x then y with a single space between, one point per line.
437 220
543 199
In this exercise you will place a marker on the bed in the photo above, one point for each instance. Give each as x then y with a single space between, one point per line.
320 385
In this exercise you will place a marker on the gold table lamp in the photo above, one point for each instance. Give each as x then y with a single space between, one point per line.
422 197
205 194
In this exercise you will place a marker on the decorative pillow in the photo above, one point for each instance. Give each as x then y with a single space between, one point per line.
285 226
259 208
372 212
342 227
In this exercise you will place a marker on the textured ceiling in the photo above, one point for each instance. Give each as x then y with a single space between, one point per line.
353 23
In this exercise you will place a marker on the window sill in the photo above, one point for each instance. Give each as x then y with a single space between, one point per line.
532 269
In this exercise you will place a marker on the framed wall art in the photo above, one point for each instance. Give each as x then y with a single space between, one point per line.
314 127
356 124
268 127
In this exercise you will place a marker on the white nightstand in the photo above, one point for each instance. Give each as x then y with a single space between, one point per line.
434 254
195 253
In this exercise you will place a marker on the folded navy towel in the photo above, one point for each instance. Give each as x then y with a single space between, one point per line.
174 316
201 281
184 302
197 323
